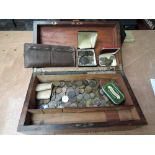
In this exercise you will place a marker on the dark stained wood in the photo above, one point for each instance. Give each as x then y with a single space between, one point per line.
71 129
110 113
33 94
70 119
65 33
25 116
140 113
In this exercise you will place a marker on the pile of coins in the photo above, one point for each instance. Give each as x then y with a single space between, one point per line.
76 94
86 57
106 61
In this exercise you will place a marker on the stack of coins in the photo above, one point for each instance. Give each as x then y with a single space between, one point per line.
77 94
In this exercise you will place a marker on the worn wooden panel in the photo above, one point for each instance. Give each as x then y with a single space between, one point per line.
89 117
63 118
125 115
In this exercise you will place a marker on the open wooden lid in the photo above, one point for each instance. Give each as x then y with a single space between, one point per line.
87 40
66 33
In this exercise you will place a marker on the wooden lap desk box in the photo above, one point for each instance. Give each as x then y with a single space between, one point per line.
65 33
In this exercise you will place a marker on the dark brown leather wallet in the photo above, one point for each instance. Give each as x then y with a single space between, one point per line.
39 55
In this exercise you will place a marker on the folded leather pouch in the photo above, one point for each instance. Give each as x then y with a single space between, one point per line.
38 55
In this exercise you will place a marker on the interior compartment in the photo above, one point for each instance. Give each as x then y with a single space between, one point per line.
91 117
51 118
105 78
108 52
79 117
67 35
89 57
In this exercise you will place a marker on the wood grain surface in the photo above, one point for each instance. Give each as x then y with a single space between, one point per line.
66 34
138 60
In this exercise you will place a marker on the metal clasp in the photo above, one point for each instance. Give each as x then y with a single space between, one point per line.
77 22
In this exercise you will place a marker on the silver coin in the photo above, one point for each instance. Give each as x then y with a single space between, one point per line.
58 90
73 99
81 91
92 83
96 102
85 82
92 95
62 94
68 84
64 89
102 103
86 96
79 97
58 97
82 87
84 60
97 95
78 83
71 94
56 83
88 89
70 89
88 102
65 99
52 104
77 91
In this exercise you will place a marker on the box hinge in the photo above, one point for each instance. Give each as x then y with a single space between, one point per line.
77 22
